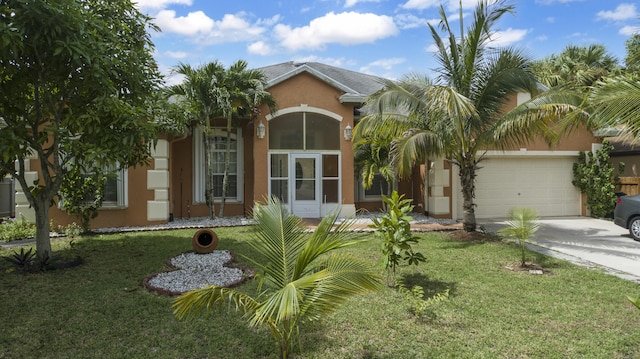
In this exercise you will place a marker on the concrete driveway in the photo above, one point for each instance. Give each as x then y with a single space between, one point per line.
585 241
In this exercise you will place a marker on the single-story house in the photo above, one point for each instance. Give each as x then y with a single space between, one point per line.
303 154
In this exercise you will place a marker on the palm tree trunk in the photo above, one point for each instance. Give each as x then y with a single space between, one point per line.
468 184
208 178
227 162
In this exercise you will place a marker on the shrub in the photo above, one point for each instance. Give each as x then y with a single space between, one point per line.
419 306
394 229
14 228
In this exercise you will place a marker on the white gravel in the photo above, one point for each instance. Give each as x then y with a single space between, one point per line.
196 271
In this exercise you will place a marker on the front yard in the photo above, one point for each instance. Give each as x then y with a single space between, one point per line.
101 309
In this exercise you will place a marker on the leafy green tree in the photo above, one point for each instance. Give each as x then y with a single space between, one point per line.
212 91
301 276
75 79
576 66
462 113
593 174
521 225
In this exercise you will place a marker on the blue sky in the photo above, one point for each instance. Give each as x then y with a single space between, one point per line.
381 37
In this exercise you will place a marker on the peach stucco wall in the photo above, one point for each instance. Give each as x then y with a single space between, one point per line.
305 89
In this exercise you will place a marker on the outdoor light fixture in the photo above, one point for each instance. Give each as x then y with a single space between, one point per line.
348 132
260 130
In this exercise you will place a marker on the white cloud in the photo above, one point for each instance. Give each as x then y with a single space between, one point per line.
409 21
629 30
385 64
351 3
507 37
622 12
448 4
160 4
259 48
347 28
204 30
551 19
192 24
176 54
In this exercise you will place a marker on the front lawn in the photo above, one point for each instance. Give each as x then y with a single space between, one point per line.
100 308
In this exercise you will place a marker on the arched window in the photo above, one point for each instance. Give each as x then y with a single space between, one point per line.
304 131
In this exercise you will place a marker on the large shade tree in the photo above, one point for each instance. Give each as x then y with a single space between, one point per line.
461 114
211 91
75 79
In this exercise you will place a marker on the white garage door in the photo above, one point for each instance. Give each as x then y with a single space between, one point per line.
543 184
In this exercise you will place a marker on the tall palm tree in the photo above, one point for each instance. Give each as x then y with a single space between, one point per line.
301 278
213 91
462 113
242 92
200 91
615 102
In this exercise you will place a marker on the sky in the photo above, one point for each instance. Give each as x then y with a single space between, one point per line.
380 37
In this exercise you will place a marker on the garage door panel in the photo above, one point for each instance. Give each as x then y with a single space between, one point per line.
543 184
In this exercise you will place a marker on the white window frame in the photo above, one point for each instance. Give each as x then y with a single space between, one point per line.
122 177
199 168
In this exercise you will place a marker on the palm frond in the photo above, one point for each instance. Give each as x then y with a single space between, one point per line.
195 302
616 103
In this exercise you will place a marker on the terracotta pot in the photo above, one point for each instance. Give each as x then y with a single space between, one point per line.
204 241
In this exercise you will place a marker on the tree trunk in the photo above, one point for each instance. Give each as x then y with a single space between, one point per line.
468 184
208 178
227 162
43 242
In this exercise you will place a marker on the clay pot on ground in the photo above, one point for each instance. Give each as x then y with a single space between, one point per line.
204 241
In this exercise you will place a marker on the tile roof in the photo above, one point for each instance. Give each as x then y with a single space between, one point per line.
355 85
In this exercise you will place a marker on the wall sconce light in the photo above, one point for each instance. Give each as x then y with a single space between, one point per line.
260 130
348 132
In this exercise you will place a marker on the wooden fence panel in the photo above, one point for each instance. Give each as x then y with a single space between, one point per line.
629 185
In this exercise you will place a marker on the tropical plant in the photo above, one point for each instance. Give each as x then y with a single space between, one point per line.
521 225
212 91
371 157
301 279
76 87
394 228
462 113
420 306
616 103
593 174
577 66
23 260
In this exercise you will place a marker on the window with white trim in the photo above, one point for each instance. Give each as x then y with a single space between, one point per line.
218 138
374 193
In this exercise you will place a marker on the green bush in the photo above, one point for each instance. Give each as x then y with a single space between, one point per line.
394 229
14 228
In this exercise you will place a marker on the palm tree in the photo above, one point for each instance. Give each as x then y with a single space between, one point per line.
522 224
371 156
462 113
577 66
301 278
213 91
241 93
616 103
200 93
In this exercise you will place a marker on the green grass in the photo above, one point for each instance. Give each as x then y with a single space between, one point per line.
101 310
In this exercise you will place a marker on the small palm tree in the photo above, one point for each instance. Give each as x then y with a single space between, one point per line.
522 224
301 279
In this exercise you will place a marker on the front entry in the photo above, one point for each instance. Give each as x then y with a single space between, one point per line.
305 185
